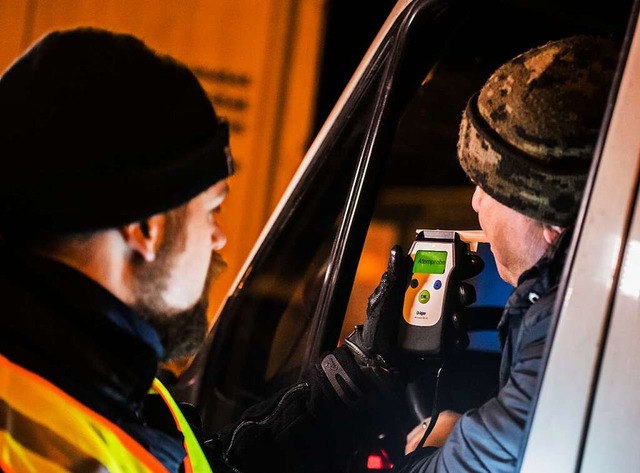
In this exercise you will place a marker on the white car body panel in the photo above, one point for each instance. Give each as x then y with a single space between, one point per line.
562 414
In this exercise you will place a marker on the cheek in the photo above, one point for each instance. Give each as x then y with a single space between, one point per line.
195 262
495 233
495 220
199 260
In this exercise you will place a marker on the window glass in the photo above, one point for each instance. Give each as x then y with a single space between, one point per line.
266 324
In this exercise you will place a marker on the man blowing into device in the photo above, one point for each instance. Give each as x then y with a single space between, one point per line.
526 141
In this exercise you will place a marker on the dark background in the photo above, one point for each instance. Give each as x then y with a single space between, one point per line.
496 31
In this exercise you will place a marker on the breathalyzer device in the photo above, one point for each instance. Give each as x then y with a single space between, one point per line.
441 259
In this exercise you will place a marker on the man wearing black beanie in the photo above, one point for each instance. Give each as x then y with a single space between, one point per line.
114 167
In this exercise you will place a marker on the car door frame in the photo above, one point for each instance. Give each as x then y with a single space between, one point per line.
581 381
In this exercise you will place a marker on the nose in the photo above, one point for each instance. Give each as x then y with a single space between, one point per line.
477 197
218 238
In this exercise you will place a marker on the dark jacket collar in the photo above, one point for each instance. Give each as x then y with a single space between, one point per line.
72 331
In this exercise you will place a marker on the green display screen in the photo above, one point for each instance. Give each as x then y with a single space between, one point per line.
430 262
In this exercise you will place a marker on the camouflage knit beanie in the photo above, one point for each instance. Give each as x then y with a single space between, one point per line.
527 138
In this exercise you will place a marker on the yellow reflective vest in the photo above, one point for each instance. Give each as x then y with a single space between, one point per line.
195 460
43 429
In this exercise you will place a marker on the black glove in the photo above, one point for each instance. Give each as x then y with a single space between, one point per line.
368 355
374 344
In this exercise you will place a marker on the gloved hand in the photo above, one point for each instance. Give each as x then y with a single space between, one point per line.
374 344
370 351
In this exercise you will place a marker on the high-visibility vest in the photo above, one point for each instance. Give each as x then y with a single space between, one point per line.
43 429
195 460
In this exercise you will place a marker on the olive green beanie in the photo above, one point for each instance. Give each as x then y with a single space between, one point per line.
527 138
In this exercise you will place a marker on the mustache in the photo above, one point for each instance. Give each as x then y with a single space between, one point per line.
216 267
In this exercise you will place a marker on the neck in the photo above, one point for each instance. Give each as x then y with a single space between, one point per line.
100 257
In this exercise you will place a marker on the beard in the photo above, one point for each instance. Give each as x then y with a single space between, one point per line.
181 332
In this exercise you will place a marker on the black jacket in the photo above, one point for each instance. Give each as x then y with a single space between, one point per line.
73 332
489 439
70 330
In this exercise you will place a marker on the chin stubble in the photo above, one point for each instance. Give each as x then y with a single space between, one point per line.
182 332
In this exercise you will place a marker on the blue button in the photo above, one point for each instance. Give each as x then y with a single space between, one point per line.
437 284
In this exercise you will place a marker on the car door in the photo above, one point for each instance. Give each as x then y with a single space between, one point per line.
594 418
382 166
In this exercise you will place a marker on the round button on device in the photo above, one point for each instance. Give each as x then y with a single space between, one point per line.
424 297
414 283
437 284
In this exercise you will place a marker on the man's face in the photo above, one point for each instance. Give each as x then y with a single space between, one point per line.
172 292
517 241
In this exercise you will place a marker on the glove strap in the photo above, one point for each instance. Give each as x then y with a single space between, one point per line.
338 377
375 368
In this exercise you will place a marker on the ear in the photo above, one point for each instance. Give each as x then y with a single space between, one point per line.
551 233
144 237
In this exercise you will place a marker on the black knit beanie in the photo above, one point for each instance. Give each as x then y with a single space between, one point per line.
96 131
528 137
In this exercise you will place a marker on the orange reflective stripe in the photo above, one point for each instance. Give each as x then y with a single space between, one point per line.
21 460
196 461
41 423
31 443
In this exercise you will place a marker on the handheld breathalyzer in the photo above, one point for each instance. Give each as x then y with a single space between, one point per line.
441 259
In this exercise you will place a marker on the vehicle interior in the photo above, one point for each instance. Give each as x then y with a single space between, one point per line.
383 165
